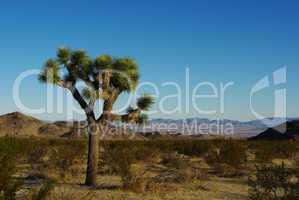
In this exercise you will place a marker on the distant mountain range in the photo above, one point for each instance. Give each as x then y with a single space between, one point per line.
18 124
256 123
213 127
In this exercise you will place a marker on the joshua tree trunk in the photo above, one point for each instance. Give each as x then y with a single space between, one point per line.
93 147
93 154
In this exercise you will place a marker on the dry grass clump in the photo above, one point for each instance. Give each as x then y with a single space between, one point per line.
67 193
181 169
160 188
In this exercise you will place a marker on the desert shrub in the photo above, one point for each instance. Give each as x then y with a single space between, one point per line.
119 156
119 159
180 169
62 158
233 153
266 151
173 160
265 154
35 156
10 190
43 192
273 182
212 157
9 185
137 184
146 153
227 158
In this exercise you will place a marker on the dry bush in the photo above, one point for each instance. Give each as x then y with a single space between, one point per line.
64 193
48 191
62 159
180 170
147 154
137 184
42 192
233 153
274 182
180 176
228 158
266 151
9 185
35 155
173 160
48 157
194 172
119 158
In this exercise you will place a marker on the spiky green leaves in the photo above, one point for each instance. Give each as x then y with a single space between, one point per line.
135 114
80 65
124 71
103 75
50 72
63 55
145 102
126 74
103 62
78 57
125 64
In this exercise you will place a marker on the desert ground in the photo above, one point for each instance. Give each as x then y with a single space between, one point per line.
42 168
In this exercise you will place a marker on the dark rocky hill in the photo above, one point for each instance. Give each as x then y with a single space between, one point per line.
286 131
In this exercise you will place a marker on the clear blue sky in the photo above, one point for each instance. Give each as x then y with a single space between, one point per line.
220 41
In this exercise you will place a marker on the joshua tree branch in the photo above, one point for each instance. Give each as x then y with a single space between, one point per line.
92 100
106 76
131 117
87 107
77 96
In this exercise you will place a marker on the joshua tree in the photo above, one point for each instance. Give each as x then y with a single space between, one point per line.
105 78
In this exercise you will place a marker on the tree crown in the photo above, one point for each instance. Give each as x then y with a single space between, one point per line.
105 78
